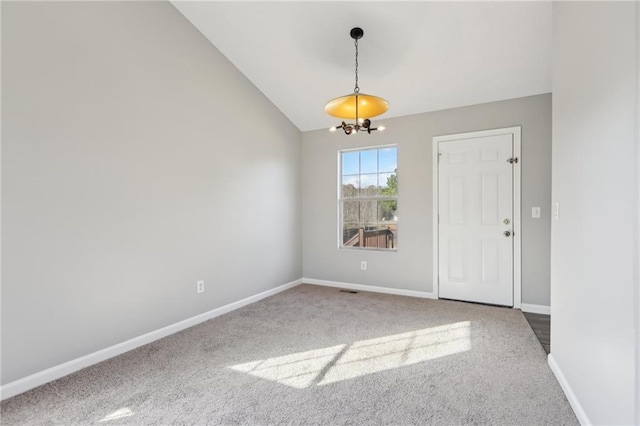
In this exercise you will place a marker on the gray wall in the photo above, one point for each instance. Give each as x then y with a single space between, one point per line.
136 160
594 281
411 268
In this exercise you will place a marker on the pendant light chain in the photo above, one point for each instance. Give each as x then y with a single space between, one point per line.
356 89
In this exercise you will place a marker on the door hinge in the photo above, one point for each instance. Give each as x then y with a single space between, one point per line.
513 160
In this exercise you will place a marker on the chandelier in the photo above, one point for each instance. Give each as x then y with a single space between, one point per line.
356 106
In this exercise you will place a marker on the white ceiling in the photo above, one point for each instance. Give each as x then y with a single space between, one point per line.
420 56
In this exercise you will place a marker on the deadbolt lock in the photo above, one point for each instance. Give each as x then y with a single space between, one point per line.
507 233
506 221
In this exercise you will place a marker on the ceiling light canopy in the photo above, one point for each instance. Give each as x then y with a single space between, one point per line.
356 106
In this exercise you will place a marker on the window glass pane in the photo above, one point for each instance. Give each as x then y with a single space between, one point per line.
387 211
388 159
350 235
369 161
368 214
393 227
351 163
368 185
377 237
388 184
351 212
387 214
350 185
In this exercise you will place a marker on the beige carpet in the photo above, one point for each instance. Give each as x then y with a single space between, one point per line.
315 355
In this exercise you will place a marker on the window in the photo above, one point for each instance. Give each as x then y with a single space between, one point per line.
369 198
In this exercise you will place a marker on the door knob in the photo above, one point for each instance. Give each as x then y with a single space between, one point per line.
507 233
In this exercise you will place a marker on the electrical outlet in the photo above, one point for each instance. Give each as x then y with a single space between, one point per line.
363 265
200 287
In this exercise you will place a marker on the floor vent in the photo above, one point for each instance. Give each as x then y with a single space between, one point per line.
349 291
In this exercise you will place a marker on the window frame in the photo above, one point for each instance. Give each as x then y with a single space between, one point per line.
341 199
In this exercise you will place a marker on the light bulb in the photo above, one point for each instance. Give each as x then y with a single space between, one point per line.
332 129
381 128
360 120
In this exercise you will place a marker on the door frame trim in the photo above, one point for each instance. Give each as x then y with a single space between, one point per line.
517 215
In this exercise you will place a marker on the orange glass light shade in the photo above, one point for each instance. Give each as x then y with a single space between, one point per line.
345 106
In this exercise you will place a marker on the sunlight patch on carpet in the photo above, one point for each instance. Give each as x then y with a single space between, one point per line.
116 415
342 362
297 370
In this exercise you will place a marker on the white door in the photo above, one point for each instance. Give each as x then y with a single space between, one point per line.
475 230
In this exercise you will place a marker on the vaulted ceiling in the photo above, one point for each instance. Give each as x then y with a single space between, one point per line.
420 56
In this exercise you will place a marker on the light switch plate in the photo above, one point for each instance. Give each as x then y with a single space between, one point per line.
535 212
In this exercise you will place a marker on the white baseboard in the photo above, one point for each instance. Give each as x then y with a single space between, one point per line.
525 307
372 288
568 391
22 385
535 309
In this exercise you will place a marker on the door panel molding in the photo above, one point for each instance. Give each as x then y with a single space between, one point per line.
517 218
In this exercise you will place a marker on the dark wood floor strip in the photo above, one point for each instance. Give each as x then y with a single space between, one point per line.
541 326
